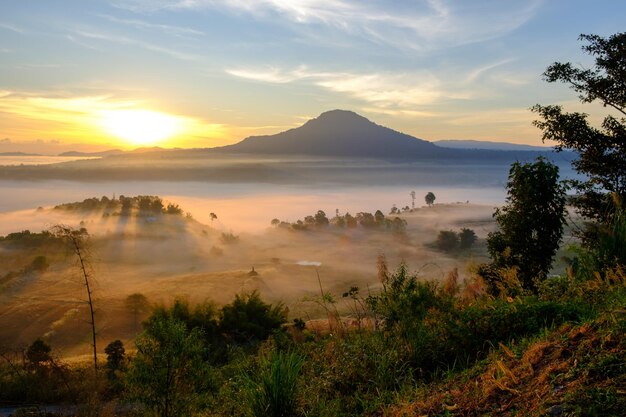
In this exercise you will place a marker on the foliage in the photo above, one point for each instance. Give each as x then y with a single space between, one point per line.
39 264
248 319
137 304
440 331
602 154
376 221
168 375
531 222
27 239
202 318
430 198
229 238
38 353
140 206
271 390
450 241
447 241
467 238
116 356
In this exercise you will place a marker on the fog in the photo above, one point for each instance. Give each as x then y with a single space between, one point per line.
188 256
239 207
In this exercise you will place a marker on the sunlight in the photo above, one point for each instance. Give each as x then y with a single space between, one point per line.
140 127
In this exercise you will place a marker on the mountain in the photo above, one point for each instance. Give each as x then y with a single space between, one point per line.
101 153
339 133
488 145
18 154
116 152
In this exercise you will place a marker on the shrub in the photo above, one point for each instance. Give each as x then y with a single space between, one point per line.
248 319
467 237
447 241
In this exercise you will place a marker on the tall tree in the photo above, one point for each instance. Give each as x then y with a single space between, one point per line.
602 150
531 222
77 241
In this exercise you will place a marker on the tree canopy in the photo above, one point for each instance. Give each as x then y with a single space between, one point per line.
531 222
602 150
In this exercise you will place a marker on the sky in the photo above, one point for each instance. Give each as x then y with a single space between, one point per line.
101 74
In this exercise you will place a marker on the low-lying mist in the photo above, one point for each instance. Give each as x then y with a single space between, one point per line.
176 255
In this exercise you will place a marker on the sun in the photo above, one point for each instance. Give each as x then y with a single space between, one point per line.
139 126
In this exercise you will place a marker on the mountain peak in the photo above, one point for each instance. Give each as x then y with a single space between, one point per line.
338 133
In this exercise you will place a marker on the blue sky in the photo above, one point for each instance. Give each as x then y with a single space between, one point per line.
436 69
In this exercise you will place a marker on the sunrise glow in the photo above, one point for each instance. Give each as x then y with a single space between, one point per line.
140 127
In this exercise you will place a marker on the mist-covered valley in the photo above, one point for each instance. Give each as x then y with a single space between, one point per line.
165 256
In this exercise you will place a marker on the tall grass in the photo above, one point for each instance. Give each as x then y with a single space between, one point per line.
272 391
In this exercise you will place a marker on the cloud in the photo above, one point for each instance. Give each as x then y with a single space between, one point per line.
415 24
141 24
11 28
133 42
393 92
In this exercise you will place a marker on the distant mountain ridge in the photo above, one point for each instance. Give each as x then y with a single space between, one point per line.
488 145
339 133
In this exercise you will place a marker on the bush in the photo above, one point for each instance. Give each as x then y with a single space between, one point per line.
248 319
447 241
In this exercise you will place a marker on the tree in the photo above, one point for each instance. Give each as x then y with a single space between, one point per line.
116 355
249 319
137 304
351 221
467 237
321 219
168 374
447 240
430 198
531 222
212 216
38 353
602 151
77 240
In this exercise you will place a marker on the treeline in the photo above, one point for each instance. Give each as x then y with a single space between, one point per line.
140 206
369 221
29 240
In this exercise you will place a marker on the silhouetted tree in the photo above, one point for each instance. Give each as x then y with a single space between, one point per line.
531 222
38 353
602 151
321 219
77 240
430 198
